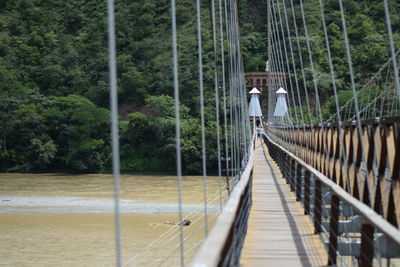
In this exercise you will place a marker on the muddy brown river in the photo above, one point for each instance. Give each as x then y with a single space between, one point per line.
67 220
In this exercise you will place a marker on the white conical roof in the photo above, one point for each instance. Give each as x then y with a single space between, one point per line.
281 91
254 91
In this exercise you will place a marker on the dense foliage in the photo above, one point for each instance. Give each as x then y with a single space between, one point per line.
54 80
368 39
54 85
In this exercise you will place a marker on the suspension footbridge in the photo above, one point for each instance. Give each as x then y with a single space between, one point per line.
313 190
314 181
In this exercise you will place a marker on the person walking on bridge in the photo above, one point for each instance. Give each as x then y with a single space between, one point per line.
259 131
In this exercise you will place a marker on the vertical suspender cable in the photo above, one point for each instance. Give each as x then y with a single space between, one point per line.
279 61
230 87
234 91
203 138
214 33
308 138
269 82
392 49
350 65
294 65
318 104
332 72
281 66
301 59
224 92
240 84
328 49
278 50
353 88
242 90
238 90
112 65
287 64
274 63
278 55
177 127
231 92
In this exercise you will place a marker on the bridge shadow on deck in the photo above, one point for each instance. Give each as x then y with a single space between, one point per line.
279 232
293 226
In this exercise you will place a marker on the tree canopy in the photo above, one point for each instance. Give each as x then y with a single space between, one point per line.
54 77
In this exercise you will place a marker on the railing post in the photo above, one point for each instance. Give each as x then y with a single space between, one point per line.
307 191
367 245
287 171
317 207
283 164
333 229
298 181
292 174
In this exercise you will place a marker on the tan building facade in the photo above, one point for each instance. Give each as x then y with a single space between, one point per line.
260 79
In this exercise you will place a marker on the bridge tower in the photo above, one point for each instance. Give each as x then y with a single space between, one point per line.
255 112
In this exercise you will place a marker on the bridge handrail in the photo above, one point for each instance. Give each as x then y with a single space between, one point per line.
212 249
370 215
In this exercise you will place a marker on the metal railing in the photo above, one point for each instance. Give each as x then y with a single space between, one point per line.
366 165
224 242
352 232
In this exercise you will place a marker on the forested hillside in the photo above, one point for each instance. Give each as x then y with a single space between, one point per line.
54 85
54 80
369 45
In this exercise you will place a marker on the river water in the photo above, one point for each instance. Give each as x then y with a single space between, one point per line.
66 220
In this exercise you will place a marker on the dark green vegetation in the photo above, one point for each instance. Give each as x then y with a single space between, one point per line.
54 84
369 45
54 80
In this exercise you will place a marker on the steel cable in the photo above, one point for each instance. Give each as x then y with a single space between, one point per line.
112 66
201 87
177 127
356 106
392 49
216 88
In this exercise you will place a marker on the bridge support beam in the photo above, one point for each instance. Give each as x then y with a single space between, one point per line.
292 174
307 191
333 230
317 206
298 181
367 245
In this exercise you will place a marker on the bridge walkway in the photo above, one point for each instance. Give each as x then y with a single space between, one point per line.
279 234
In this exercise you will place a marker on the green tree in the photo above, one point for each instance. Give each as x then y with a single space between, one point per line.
80 130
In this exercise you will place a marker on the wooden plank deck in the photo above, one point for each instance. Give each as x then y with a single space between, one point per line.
279 234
